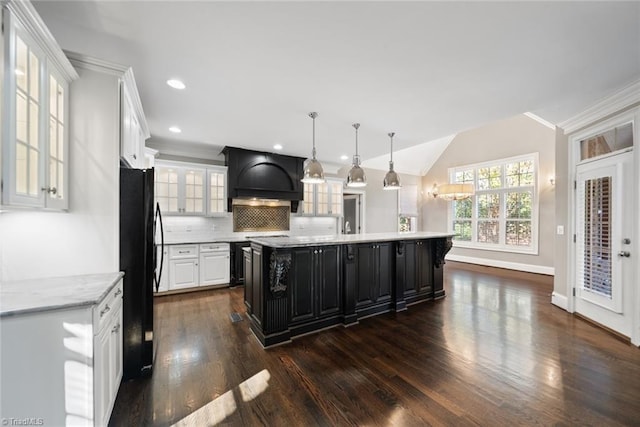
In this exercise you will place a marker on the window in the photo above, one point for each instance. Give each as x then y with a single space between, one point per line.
408 209
502 215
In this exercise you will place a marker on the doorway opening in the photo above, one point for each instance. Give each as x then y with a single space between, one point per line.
353 217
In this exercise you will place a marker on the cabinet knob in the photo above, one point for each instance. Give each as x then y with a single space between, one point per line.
50 190
315 252
105 311
115 328
118 292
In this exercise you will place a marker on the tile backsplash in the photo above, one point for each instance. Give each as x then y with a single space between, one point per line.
184 228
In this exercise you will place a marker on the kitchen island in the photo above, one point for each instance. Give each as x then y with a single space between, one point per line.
298 285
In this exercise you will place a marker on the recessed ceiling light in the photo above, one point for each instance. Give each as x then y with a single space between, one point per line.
175 129
176 84
277 147
344 157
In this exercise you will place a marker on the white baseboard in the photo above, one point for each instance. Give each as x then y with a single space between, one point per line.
560 301
529 268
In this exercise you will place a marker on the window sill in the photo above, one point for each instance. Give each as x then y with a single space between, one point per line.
495 248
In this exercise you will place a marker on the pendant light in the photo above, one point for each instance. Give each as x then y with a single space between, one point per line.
356 176
313 173
391 179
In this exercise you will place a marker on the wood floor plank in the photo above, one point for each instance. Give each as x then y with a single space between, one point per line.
493 352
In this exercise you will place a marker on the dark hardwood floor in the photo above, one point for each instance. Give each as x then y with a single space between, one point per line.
493 352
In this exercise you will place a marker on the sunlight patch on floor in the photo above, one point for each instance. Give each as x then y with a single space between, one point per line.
224 405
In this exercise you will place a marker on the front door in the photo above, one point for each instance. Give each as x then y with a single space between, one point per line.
604 229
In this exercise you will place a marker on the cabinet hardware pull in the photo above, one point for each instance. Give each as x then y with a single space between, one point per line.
50 190
115 328
118 292
135 157
106 309
625 254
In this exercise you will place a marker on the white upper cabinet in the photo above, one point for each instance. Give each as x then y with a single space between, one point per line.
35 139
186 189
323 199
133 125
217 185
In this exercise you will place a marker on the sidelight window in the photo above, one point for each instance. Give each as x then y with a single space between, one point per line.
502 215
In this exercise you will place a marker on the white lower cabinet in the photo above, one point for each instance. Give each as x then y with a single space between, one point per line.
214 264
107 372
183 266
184 273
66 365
191 266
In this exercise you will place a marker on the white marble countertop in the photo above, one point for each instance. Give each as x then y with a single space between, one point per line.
293 241
36 295
197 239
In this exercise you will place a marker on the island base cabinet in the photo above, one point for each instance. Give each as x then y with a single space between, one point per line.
373 279
294 290
315 294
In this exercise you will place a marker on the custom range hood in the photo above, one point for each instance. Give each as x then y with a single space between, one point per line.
260 175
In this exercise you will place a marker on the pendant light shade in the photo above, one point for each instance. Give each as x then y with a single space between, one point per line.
391 179
356 176
313 173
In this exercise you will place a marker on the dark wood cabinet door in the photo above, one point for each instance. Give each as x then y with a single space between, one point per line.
248 281
384 268
301 280
423 267
365 274
410 269
329 281
258 301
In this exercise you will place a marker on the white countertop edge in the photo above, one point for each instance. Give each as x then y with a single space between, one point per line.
342 239
55 293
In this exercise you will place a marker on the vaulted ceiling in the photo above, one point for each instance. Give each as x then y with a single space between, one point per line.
425 70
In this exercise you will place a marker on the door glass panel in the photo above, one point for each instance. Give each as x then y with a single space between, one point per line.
21 169
21 64
21 117
34 84
33 173
597 236
612 140
33 124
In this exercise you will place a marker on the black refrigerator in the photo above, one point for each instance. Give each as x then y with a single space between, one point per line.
138 262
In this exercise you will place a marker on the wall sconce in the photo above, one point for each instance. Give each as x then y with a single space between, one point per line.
452 191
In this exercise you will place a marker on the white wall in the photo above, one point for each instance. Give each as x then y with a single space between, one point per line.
381 209
84 240
506 138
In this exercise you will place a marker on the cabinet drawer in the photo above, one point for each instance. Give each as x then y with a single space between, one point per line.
183 251
211 247
105 310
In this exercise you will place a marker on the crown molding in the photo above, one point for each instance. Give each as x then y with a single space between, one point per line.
87 62
28 18
623 98
540 120
123 72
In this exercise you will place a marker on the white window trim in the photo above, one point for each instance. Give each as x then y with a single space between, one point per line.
501 247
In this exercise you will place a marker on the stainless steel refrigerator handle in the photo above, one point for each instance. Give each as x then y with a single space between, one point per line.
158 277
